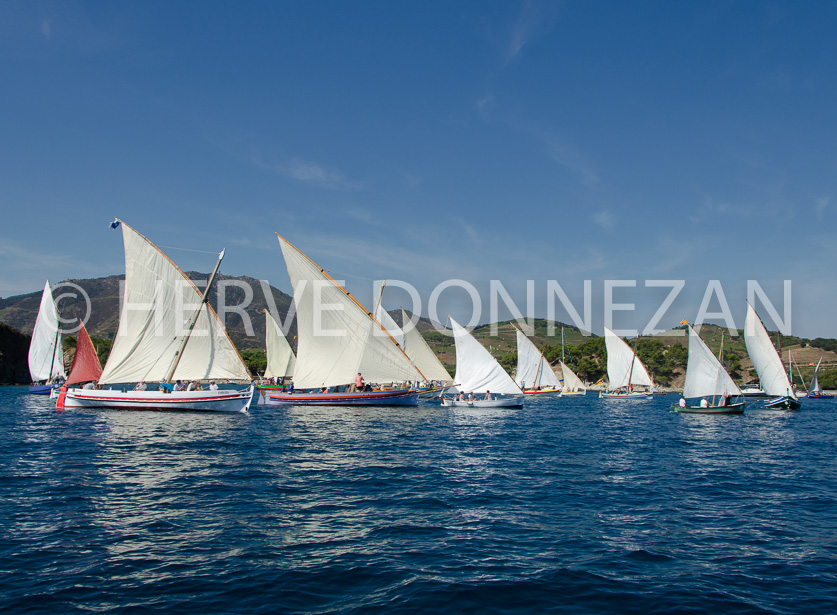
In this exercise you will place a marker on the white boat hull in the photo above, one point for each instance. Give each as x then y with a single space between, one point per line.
571 393
515 401
224 400
626 395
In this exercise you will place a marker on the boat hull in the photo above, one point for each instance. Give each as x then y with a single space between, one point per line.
515 401
405 397
782 403
737 408
41 389
605 395
540 391
224 400
819 396
572 393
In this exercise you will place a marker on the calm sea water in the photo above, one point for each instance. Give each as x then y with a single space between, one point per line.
568 505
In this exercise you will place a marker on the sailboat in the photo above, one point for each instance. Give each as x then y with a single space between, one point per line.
86 366
624 371
706 377
46 356
479 373
533 368
572 384
339 342
767 364
816 392
153 345
280 357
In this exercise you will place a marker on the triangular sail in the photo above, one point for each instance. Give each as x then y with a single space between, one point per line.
383 317
46 356
815 384
336 336
705 376
533 370
158 300
476 370
765 359
280 355
418 350
571 381
620 356
86 366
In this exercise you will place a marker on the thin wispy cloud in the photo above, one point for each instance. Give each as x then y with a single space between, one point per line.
310 173
820 206
46 29
535 20
604 219
313 173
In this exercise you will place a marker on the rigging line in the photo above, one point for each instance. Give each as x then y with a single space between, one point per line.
349 275
188 250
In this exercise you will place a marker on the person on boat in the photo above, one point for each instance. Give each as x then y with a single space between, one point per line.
166 387
89 385
471 396
179 386
359 382
192 386
213 386
682 402
488 395
704 403
726 400
141 386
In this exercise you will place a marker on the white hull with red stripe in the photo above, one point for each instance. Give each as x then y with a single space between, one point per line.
224 400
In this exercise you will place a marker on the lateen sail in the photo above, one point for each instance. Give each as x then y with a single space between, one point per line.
158 300
705 375
619 359
388 323
533 370
765 359
336 336
46 357
280 355
815 385
86 366
416 347
571 381
476 370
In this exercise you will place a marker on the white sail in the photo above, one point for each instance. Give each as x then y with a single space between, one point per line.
416 347
46 354
280 355
533 370
571 381
388 323
620 356
336 336
157 302
765 359
476 370
705 376
815 384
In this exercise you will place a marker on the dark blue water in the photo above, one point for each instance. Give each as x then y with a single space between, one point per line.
568 505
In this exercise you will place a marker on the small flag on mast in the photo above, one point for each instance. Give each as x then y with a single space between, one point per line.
115 223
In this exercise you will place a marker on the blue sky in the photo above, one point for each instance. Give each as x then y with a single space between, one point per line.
432 140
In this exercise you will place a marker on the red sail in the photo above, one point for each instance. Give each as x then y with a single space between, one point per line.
86 366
